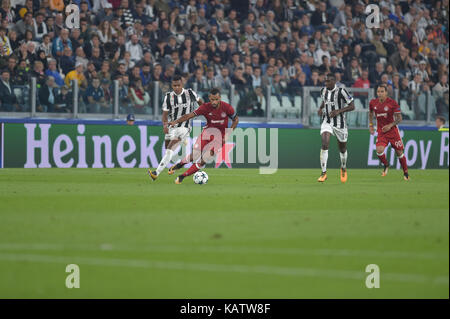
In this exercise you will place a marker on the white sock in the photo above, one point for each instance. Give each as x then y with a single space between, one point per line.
165 160
343 159
323 160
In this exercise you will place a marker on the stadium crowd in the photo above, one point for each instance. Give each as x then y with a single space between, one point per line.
284 44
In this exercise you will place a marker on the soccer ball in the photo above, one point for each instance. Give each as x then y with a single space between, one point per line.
200 178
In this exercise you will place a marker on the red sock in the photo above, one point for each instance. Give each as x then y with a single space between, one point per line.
402 160
383 160
194 168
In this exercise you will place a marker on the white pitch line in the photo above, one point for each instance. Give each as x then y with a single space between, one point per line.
230 250
258 269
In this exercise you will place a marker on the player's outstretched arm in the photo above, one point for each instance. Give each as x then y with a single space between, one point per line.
184 118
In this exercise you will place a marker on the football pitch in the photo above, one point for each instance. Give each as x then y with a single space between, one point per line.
242 235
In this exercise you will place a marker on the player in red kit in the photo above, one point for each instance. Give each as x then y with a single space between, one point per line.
213 136
388 115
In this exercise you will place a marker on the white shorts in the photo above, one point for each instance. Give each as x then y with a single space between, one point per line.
179 133
340 133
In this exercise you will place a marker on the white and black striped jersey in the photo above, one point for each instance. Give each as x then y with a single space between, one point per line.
179 105
336 98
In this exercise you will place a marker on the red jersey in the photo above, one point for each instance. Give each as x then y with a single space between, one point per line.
216 117
384 112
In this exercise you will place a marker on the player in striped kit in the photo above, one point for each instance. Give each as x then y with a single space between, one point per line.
176 104
335 102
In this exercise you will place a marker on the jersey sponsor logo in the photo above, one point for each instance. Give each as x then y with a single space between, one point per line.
382 114
221 121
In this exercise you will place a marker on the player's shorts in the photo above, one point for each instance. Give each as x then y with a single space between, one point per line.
179 133
393 137
340 133
205 140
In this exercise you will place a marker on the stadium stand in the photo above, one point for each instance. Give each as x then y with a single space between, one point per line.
258 52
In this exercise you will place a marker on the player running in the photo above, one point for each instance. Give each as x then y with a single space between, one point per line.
388 116
213 136
336 101
176 103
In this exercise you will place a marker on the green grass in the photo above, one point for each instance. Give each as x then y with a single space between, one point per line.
243 235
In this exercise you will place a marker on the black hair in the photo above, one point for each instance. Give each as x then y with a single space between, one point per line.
214 91
441 118
176 77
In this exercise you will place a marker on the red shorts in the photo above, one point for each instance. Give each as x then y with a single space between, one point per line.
393 137
206 141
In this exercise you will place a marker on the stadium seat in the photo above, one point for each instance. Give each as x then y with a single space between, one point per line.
358 104
352 118
298 105
18 93
406 110
314 118
225 98
276 108
287 105
422 106
236 99
361 116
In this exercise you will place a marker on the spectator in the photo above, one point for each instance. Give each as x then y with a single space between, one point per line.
47 95
135 49
60 43
93 43
440 122
8 102
363 81
441 95
94 98
39 27
107 93
53 71
67 61
353 71
124 100
223 80
105 32
39 73
139 98
77 75
5 46
320 16
26 23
